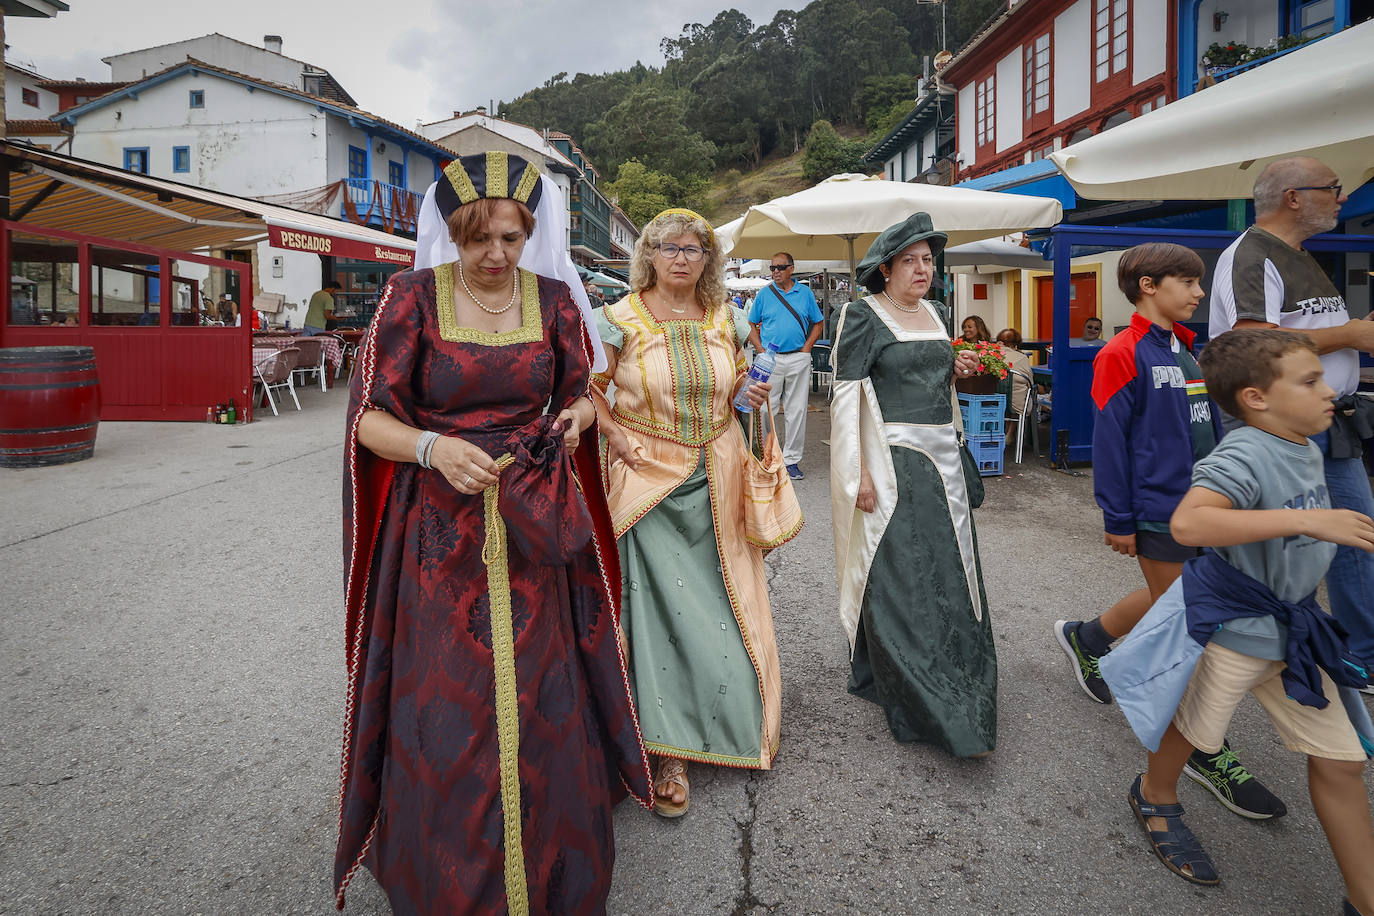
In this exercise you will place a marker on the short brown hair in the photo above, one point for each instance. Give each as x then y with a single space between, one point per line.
470 220
1247 358
1155 260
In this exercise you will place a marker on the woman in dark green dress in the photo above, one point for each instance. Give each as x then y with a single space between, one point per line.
911 589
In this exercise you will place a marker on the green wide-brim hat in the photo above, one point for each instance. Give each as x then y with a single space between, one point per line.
892 240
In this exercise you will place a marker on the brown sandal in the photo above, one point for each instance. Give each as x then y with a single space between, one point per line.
671 772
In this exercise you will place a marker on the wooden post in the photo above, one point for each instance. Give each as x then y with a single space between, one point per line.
3 114
1235 215
4 165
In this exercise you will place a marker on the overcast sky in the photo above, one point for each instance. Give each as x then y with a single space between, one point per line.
405 60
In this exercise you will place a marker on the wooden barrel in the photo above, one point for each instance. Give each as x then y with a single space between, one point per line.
49 405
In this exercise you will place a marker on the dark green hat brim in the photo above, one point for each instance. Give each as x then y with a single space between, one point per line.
915 228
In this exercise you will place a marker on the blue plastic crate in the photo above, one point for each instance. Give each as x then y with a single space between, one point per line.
987 453
984 414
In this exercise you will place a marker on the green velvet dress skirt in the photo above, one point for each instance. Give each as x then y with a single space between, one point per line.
696 689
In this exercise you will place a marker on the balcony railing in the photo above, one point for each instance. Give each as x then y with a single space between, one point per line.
1224 73
376 203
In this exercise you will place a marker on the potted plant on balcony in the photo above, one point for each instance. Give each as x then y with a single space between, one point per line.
992 367
1223 56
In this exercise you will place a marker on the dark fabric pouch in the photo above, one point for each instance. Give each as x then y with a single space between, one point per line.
545 514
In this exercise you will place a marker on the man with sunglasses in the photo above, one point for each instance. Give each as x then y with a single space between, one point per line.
1266 280
785 314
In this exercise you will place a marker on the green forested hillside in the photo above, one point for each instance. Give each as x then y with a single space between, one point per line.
733 93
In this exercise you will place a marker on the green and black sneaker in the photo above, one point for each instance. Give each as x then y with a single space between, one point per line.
1223 775
1084 663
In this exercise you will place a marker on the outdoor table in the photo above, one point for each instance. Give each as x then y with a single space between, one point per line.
333 352
1043 376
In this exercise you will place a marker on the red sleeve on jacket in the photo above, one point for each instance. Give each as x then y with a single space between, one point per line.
1113 369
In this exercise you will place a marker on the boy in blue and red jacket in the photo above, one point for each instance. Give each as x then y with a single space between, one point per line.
1153 419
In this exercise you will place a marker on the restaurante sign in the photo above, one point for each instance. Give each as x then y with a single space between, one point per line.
337 246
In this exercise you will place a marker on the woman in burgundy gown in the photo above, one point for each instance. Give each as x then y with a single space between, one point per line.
485 677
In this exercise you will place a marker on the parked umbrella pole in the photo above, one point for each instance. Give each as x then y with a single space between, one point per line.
853 282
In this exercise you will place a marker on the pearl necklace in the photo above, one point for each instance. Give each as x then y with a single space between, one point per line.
897 305
514 292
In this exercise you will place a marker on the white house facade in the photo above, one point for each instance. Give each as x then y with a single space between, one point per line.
217 129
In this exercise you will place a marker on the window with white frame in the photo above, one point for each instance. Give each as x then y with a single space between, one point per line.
1038 76
1111 38
1150 105
985 111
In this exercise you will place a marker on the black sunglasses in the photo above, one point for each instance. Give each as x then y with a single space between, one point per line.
1320 187
773 267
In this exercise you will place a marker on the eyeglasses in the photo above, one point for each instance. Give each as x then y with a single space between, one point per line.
1320 187
774 268
691 252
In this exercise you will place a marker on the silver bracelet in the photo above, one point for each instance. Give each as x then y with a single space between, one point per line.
423 446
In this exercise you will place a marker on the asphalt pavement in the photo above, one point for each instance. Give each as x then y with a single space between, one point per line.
171 680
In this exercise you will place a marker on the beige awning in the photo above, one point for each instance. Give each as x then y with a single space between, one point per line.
1315 101
73 195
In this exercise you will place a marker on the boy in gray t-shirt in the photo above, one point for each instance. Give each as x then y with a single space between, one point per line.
1259 501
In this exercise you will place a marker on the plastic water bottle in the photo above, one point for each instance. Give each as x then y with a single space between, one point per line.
761 371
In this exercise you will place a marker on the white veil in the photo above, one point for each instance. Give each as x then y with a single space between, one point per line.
544 252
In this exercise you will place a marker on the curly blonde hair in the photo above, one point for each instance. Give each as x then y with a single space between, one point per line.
711 283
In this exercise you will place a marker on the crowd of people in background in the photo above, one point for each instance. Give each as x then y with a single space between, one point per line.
554 598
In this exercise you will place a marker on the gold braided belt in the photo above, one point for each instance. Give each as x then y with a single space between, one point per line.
549 525
496 558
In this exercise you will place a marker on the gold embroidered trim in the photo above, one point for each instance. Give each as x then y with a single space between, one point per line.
730 592
637 306
507 701
723 760
531 328
498 174
526 186
649 428
462 183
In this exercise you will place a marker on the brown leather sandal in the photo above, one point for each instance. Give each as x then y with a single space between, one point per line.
671 772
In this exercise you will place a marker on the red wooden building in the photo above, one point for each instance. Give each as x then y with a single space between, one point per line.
129 265
1046 73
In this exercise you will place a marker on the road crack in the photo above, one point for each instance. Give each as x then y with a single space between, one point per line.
745 901
40 785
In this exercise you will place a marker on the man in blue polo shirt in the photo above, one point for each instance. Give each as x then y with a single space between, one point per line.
786 315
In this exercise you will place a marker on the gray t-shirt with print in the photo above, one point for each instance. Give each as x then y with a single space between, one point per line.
1257 470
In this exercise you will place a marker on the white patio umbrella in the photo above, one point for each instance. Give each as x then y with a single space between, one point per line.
1315 101
745 283
995 253
840 217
